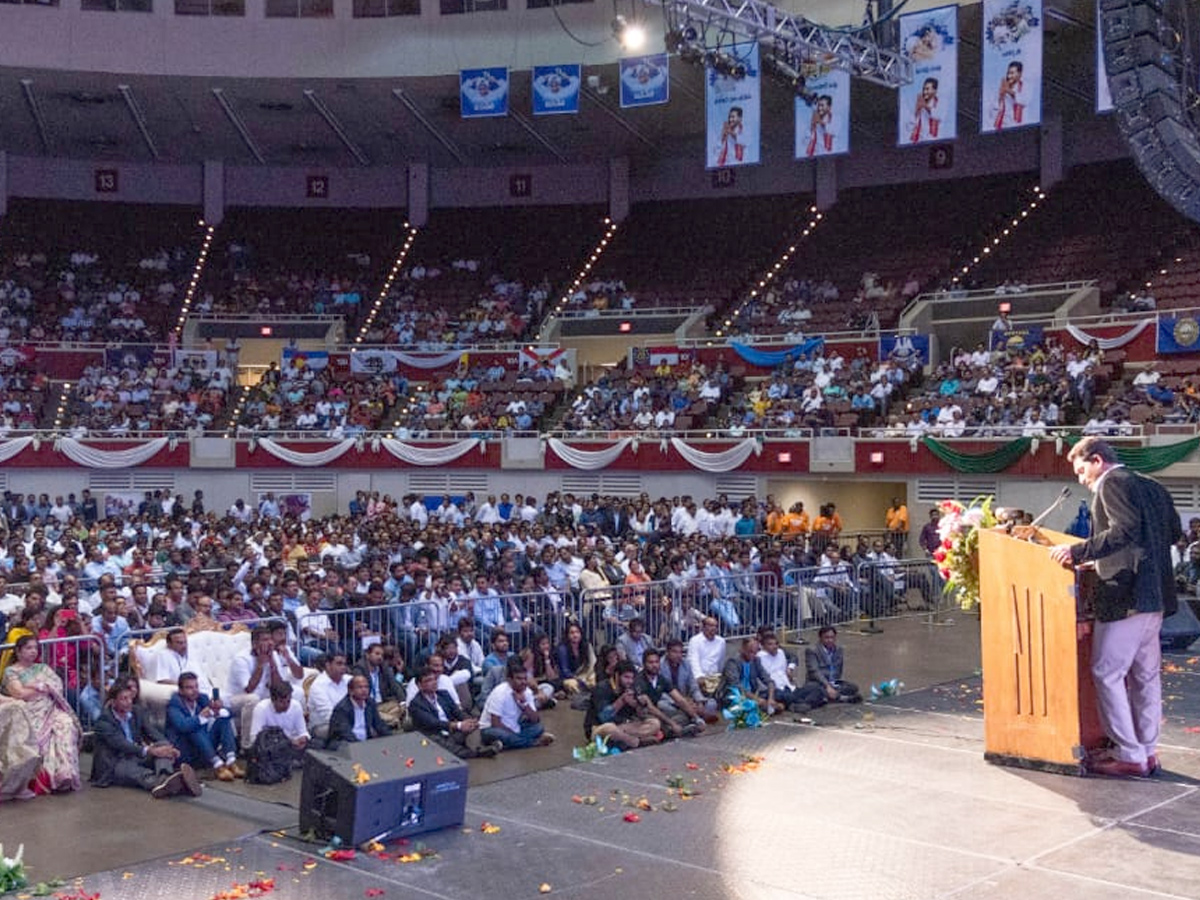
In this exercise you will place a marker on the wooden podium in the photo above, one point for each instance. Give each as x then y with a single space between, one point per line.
1039 704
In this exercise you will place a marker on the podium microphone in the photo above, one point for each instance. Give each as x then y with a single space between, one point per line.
1058 501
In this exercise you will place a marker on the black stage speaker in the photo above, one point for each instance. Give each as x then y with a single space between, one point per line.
1180 630
404 791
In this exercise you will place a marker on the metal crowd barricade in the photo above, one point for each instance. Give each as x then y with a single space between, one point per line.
894 588
520 616
741 601
81 663
820 595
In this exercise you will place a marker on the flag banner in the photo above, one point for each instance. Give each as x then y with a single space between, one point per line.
556 90
823 121
929 105
483 92
304 359
1178 335
374 362
644 80
734 111
1104 101
1018 338
531 357
1012 65
657 356
904 348
205 360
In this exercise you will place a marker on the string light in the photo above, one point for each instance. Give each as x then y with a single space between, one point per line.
597 252
776 268
397 264
210 232
986 250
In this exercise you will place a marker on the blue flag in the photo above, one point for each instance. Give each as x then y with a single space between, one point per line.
1180 335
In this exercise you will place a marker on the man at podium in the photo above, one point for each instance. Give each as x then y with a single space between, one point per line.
1134 524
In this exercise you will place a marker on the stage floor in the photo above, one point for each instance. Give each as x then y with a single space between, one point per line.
885 800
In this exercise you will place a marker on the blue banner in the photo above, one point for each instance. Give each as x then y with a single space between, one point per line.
770 358
904 348
305 359
823 125
734 111
556 90
483 92
644 80
929 105
1018 338
1012 65
1181 335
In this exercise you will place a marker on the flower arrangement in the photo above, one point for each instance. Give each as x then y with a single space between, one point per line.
742 711
12 871
958 556
598 748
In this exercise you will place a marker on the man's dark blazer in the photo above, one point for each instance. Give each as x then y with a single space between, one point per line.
388 688
425 718
820 662
111 745
341 722
1134 524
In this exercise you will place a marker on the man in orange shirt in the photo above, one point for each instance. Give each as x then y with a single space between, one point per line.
796 521
826 528
896 522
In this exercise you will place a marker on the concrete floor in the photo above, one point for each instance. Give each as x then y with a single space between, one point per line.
890 799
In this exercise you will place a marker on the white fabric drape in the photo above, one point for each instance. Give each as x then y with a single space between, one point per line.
9 449
1112 343
723 461
302 458
81 453
416 455
448 358
589 460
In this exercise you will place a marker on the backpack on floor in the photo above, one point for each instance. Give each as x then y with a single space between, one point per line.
271 757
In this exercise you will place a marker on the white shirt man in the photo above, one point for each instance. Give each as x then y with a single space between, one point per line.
502 705
171 663
327 691
706 650
267 715
778 668
418 513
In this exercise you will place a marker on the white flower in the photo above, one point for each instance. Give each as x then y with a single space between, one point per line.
14 861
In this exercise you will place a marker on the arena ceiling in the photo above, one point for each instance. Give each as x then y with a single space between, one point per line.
346 123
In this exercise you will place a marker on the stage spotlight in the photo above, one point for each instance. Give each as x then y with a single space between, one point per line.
630 35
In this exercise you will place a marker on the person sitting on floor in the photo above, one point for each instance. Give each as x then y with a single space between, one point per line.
511 715
437 716
325 693
779 669
625 717
746 673
385 690
824 664
202 730
130 752
356 717
281 710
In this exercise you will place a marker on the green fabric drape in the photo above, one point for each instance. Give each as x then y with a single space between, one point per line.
1152 459
978 463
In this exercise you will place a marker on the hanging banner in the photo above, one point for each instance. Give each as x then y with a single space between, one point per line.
1012 65
929 105
1104 101
1020 338
904 349
644 80
823 120
483 92
204 360
1177 335
734 111
374 362
556 90
304 359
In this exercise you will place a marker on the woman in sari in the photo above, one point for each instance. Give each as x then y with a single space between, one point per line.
55 726
19 757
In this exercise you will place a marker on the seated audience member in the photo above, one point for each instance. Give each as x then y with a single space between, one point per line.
437 716
633 643
824 663
250 678
706 656
356 718
625 717
173 661
57 729
576 661
326 691
655 686
684 695
746 673
779 669
542 664
385 690
202 729
130 752
20 758
511 715
281 711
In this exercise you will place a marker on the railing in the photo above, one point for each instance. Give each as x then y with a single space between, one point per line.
1054 287
845 593
82 665
645 312
778 340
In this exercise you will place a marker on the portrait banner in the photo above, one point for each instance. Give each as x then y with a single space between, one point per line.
823 116
1104 100
1012 65
929 105
483 92
734 111
645 80
556 90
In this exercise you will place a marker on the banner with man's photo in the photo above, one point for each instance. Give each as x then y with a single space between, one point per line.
1012 65
645 80
929 105
734 111
823 116
1104 100
483 92
556 89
